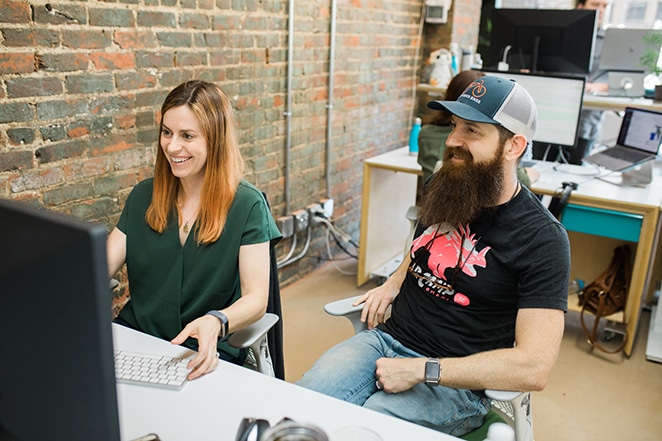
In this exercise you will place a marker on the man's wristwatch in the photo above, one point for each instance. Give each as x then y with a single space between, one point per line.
224 321
432 371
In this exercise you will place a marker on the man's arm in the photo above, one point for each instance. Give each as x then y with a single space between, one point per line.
526 367
377 300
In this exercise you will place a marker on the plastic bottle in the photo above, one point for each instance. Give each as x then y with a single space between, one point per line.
478 61
413 137
575 286
455 62
500 432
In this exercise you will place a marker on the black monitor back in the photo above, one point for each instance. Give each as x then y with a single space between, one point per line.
57 378
544 40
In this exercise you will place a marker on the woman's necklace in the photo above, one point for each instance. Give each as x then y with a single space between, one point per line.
186 228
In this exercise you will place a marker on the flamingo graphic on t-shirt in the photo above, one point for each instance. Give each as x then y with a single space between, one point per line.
446 248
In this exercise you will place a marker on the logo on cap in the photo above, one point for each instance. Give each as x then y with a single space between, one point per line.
477 88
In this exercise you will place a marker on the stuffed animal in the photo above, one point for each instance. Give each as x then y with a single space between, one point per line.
441 61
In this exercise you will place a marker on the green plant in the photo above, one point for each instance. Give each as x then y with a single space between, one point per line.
649 59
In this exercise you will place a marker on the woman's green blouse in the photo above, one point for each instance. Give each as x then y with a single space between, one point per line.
170 284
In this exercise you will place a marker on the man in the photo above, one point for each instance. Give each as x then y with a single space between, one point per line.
479 301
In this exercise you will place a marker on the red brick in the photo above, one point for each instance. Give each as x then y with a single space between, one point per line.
31 86
111 143
17 62
113 60
97 39
135 39
17 37
37 179
15 12
17 160
87 168
62 62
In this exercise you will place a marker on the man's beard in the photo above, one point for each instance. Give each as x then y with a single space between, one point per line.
458 193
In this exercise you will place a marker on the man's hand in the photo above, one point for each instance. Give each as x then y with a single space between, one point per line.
206 330
400 374
375 303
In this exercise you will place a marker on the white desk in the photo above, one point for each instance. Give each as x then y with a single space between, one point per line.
212 407
599 102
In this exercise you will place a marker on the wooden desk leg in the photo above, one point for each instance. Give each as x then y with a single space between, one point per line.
640 276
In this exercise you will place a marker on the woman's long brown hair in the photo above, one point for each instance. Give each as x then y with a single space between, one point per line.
224 168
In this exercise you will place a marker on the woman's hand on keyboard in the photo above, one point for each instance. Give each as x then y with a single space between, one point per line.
206 330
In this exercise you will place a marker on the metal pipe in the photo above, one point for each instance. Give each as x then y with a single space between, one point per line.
293 246
416 61
329 106
288 108
309 234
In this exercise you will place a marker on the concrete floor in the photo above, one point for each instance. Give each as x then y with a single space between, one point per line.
591 396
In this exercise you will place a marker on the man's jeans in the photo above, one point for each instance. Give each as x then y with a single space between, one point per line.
347 371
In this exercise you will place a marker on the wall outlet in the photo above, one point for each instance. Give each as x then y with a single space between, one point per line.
313 211
286 226
300 220
327 207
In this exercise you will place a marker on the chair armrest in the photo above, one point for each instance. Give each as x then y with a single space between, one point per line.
516 408
344 308
114 283
503 395
252 334
254 337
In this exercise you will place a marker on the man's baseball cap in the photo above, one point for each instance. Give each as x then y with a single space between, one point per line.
495 100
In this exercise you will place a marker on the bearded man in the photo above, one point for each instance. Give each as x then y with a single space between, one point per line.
479 301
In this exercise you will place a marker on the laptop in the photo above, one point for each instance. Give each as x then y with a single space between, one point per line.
622 49
638 141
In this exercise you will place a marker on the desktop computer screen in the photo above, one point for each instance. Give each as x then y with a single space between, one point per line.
543 40
57 379
558 99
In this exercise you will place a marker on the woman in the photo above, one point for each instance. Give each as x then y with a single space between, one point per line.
195 237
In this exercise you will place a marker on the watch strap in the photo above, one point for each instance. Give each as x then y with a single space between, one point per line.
223 319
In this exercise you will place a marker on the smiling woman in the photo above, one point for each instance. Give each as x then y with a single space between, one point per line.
196 237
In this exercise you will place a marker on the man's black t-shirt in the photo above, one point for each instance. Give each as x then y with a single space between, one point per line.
452 305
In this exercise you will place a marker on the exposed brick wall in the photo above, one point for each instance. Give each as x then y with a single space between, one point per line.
81 83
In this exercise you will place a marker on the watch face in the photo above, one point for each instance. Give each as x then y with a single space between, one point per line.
432 371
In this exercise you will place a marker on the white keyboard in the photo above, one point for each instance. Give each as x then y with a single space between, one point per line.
150 370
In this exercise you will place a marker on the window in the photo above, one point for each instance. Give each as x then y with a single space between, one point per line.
636 12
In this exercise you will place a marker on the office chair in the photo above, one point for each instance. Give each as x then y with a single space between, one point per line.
513 408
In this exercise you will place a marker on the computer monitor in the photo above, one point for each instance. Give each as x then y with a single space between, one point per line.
57 379
543 40
558 99
623 49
